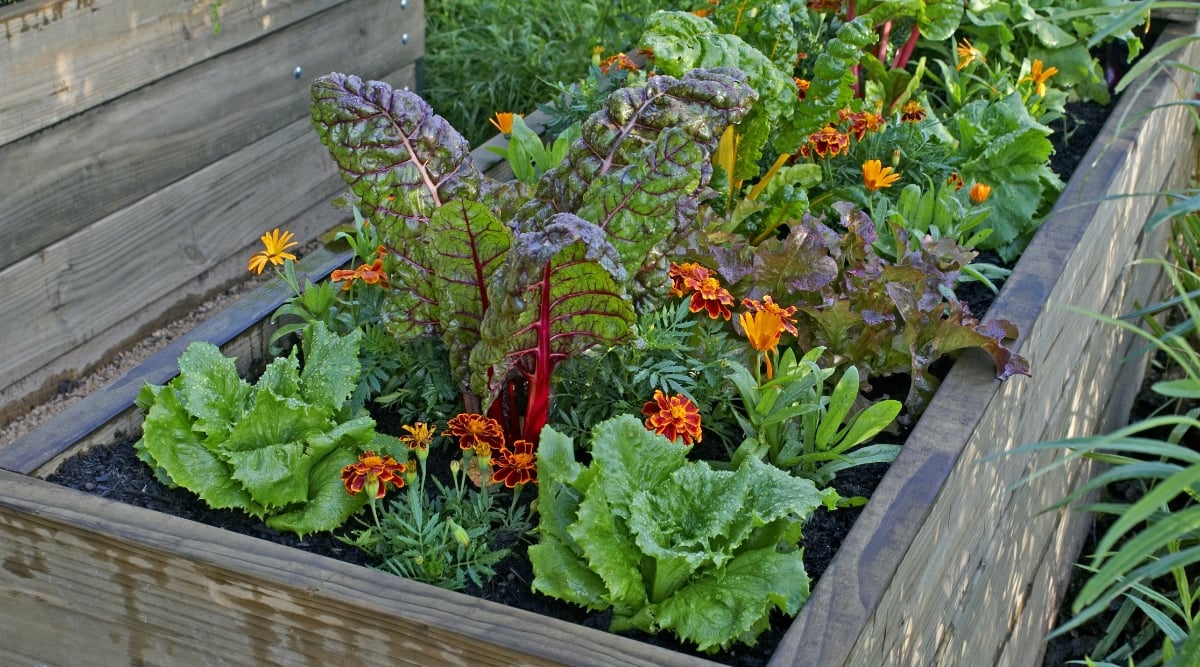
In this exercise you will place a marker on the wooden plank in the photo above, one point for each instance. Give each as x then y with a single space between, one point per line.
70 304
63 57
133 586
101 161
873 591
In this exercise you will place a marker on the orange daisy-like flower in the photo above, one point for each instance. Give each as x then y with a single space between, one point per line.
825 5
681 273
675 417
1038 76
876 176
476 432
275 250
955 180
968 54
787 316
912 112
419 435
504 121
829 141
373 472
372 274
763 329
979 192
515 466
709 296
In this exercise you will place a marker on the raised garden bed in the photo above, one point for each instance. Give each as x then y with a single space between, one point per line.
947 564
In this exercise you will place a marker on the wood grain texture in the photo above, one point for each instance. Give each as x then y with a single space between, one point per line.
98 289
160 590
943 568
63 57
56 183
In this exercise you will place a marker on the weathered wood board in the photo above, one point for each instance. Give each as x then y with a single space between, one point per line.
153 197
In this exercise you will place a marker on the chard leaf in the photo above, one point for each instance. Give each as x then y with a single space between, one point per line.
734 603
702 103
181 453
557 294
637 204
467 244
215 396
401 159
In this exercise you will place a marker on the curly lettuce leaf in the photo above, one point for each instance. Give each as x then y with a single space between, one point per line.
286 440
668 543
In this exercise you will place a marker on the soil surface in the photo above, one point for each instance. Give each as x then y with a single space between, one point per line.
114 472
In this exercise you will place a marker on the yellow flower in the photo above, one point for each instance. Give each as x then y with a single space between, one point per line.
876 176
419 435
504 121
275 252
912 112
968 54
979 192
1038 76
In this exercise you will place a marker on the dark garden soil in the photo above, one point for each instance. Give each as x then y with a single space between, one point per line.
114 472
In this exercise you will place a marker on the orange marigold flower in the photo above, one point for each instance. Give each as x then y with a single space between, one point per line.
373 472
829 141
876 176
912 111
504 121
675 417
709 296
825 5
1038 76
979 192
515 466
419 435
275 250
476 432
680 273
619 61
968 54
801 86
786 315
955 180
372 274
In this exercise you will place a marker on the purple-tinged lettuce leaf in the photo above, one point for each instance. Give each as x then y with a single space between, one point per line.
557 294
401 159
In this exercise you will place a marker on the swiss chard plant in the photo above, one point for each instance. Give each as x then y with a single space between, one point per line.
667 543
274 449
513 279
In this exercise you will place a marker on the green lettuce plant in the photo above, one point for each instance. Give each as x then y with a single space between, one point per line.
274 449
667 543
514 281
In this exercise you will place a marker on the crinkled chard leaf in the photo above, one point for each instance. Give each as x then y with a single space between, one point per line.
557 294
701 104
398 157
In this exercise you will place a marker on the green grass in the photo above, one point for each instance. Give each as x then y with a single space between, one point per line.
506 55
